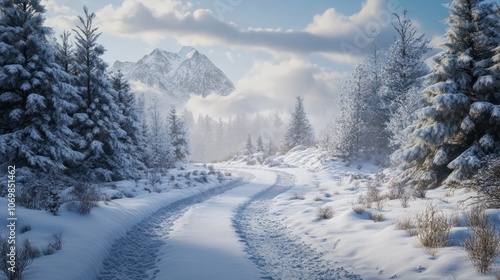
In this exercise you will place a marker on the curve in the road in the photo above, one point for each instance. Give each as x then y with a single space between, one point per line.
273 247
134 256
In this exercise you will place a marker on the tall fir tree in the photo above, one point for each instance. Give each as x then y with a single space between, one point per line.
260 144
459 124
178 136
99 116
131 122
36 102
403 72
348 130
249 148
299 131
159 149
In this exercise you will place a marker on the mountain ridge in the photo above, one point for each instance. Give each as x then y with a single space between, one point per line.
178 74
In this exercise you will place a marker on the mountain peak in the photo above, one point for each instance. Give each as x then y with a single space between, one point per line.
186 52
178 74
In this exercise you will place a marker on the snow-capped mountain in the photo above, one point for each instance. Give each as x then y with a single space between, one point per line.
177 74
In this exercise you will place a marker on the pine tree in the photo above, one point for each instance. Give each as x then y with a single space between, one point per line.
36 102
403 72
178 136
99 116
260 144
159 149
133 140
299 131
65 52
249 148
460 124
349 124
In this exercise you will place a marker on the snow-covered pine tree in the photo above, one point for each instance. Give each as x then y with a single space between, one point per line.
375 137
131 122
159 149
299 131
249 148
36 102
349 124
98 119
402 74
65 52
178 136
260 144
461 122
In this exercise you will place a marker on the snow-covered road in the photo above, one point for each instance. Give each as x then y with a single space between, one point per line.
229 234
203 243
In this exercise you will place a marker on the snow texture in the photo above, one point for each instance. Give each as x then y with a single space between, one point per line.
273 247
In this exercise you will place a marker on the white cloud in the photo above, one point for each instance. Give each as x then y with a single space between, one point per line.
340 37
271 86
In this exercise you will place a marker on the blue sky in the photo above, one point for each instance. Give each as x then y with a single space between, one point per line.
271 50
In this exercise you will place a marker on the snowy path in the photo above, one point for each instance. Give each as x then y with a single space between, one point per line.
273 248
134 256
228 233
203 243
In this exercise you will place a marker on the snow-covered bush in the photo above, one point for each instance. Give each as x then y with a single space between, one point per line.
325 213
85 197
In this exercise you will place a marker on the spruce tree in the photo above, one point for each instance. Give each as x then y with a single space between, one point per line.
260 144
159 148
299 131
178 136
130 122
402 75
99 116
458 126
249 148
36 102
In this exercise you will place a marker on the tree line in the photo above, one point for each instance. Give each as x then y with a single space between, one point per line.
62 113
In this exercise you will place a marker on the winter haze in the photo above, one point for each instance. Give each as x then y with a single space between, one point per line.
239 139
291 49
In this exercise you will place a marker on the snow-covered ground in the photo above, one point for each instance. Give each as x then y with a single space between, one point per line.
263 226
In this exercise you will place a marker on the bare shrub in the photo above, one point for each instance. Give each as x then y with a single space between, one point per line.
482 243
359 208
86 197
407 224
455 219
318 198
433 227
56 242
324 213
405 200
24 256
376 216
297 196
475 216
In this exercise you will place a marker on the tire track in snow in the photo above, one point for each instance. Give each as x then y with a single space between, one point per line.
272 246
134 256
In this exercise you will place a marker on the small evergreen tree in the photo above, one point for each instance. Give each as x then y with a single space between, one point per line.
36 101
178 136
249 148
299 131
159 149
260 144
